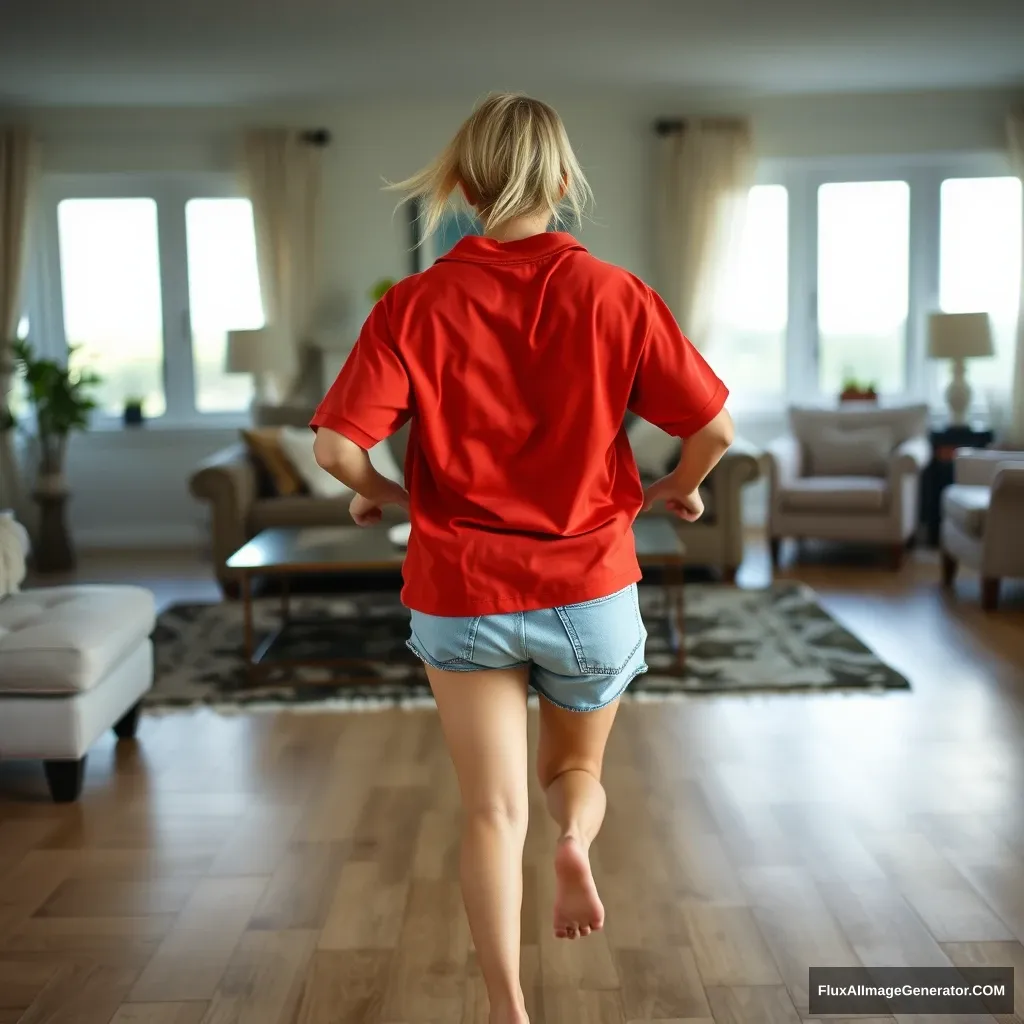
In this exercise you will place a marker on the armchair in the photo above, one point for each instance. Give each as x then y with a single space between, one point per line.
982 516
848 474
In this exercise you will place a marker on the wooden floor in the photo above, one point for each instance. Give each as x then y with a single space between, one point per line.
264 868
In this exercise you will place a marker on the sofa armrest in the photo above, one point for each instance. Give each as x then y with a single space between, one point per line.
227 480
1003 553
785 460
978 466
911 456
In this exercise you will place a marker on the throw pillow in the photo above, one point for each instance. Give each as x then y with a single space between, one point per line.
265 448
864 452
297 446
14 546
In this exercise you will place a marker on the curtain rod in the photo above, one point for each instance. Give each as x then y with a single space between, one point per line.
316 137
678 125
669 125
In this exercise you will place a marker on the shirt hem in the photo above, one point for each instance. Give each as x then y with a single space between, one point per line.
699 420
553 597
346 428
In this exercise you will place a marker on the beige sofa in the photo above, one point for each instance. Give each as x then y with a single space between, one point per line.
983 519
849 474
229 483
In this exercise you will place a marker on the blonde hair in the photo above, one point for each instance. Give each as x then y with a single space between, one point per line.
513 157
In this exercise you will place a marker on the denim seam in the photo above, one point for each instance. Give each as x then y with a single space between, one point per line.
455 665
470 648
590 707
574 639
594 601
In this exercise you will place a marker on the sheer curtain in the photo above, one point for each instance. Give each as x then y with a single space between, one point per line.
282 170
18 173
707 167
1015 432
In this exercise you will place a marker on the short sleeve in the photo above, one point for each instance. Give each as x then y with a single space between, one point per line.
674 388
371 397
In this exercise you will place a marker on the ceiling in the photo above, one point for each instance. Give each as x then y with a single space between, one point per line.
185 52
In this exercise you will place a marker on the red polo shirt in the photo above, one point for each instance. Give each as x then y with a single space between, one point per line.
516 362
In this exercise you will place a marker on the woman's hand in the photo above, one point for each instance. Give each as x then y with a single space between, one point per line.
366 510
686 505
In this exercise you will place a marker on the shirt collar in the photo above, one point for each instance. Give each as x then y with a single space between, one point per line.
480 249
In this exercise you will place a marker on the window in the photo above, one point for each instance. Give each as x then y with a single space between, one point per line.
980 264
224 295
750 338
863 272
841 262
110 284
147 274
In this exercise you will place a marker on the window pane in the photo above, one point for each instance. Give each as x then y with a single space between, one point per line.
224 295
110 274
980 265
863 278
750 336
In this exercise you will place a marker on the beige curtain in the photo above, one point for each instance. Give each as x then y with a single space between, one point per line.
18 172
706 171
282 173
1015 431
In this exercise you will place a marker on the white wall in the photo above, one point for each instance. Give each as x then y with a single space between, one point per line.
132 489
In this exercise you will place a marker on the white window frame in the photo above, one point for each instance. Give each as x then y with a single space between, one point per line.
171 192
924 174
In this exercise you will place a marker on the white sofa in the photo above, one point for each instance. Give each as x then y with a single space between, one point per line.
849 474
74 661
983 519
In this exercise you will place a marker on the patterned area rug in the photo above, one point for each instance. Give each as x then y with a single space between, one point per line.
778 639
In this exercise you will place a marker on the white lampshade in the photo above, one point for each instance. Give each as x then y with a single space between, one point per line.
251 351
959 336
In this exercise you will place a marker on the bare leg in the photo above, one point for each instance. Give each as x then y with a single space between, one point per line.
569 762
483 715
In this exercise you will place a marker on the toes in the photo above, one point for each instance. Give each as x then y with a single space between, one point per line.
584 931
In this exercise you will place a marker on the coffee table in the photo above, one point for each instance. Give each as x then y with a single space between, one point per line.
287 552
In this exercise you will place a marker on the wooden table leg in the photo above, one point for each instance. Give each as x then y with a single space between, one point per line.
677 602
285 600
247 618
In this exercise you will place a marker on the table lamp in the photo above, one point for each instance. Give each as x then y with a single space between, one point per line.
254 352
959 336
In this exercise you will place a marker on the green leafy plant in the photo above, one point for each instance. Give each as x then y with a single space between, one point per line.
853 385
61 400
381 288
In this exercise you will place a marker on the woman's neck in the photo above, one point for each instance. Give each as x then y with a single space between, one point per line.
520 227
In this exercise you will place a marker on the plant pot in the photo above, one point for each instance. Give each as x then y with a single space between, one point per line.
53 551
856 395
133 416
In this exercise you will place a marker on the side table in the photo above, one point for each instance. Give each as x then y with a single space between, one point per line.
938 474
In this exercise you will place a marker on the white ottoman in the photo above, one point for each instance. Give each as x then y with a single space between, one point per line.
74 661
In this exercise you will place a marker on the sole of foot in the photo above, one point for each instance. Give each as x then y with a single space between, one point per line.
578 908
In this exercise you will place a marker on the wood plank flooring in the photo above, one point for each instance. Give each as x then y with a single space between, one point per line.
301 868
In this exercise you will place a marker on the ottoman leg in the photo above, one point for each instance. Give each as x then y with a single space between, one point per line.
126 726
65 779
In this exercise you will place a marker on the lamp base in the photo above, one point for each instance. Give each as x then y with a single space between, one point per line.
958 394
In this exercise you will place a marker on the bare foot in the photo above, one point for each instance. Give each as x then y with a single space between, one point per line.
578 908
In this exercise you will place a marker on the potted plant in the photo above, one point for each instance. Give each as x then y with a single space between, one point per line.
854 390
133 415
61 400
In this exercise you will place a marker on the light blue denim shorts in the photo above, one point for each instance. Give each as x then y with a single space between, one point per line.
581 656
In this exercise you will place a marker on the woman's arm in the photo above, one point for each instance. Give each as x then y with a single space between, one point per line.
701 453
350 464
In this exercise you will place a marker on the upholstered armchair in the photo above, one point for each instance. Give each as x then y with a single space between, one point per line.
848 474
983 519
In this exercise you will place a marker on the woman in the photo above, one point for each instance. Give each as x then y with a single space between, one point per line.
517 357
